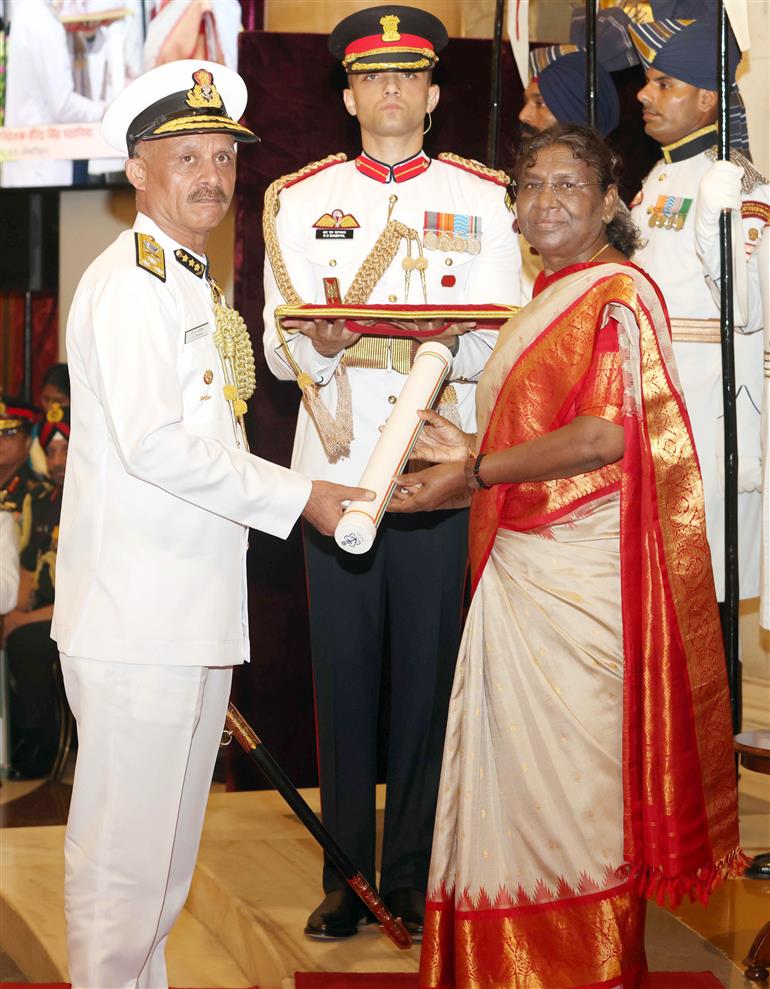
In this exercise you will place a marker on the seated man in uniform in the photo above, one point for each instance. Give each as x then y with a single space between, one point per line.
20 485
33 659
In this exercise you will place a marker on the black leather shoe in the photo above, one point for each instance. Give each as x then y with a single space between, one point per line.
337 916
409 905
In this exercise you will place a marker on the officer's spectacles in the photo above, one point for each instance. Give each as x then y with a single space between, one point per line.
562 190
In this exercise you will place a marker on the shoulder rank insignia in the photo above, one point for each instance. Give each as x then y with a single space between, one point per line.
476 168
150 255
312 168
188 261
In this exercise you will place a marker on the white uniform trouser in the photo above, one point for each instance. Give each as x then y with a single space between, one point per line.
148 739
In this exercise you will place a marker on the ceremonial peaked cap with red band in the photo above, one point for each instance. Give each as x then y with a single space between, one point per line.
56 425
15 413
188 96
389 38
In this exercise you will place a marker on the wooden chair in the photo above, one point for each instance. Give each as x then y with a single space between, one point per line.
753 748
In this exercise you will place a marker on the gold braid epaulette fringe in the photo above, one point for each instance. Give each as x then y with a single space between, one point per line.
496 175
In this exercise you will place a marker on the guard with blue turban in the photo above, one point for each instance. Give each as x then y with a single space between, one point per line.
678 210
556 91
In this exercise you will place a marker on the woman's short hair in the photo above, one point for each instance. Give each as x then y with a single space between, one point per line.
587 145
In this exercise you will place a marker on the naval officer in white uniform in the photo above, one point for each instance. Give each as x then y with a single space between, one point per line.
462 250
677 211
150 613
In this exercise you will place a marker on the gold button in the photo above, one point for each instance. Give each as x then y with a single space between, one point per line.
392 399
392 298
448 262
332 263
208 377
662 177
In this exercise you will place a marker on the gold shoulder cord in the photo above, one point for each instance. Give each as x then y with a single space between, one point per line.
233 342
496 174
336 431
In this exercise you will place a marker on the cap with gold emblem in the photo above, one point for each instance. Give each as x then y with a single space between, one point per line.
56 425
15 413
389 38
189 96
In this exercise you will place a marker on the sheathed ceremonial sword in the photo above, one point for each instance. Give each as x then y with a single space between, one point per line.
234 345
238 728
730 628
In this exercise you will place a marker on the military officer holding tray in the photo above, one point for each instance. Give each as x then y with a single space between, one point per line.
677 211
393 226
150 613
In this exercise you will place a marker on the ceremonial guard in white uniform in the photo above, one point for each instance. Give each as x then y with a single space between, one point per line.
160 489
677 211
457 246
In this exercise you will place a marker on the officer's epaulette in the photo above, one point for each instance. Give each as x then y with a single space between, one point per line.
752 177
313 168
476 168
150 255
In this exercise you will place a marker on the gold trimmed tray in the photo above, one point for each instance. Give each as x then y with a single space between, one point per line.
384 320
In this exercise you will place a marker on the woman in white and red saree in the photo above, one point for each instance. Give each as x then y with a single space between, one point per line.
588 756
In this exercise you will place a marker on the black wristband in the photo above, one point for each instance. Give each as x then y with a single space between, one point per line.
477 475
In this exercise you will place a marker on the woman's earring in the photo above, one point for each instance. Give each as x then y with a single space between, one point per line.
430 123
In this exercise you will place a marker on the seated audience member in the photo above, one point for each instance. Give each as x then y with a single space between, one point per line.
54 389
32 655
20 485
9 563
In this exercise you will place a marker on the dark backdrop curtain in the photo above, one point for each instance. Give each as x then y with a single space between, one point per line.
295 105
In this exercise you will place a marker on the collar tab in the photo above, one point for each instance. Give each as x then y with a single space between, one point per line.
402 171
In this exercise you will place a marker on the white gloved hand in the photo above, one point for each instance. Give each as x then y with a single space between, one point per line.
720 188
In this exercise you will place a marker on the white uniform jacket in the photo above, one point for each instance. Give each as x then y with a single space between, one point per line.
668 197
158 493
312 253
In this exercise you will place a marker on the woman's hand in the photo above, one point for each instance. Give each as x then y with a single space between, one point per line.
442 486
440 441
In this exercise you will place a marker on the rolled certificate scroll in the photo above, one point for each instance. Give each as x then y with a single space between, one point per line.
357 529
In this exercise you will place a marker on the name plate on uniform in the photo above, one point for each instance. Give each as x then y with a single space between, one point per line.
197 332
402 321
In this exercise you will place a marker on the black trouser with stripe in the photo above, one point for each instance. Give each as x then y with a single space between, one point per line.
411 583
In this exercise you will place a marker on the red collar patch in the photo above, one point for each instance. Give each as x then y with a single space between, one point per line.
400 172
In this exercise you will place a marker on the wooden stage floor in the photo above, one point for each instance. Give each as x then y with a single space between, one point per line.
257 880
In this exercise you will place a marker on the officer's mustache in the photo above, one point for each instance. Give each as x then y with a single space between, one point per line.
214 194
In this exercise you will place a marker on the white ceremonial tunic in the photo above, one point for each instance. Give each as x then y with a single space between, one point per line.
670 258
491 276
158 495
150 612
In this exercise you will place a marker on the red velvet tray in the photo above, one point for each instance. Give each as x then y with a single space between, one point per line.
386 318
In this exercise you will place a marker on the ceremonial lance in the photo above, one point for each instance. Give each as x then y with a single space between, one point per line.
237 727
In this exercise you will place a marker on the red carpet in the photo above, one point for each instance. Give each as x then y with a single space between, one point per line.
385 980
393 980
